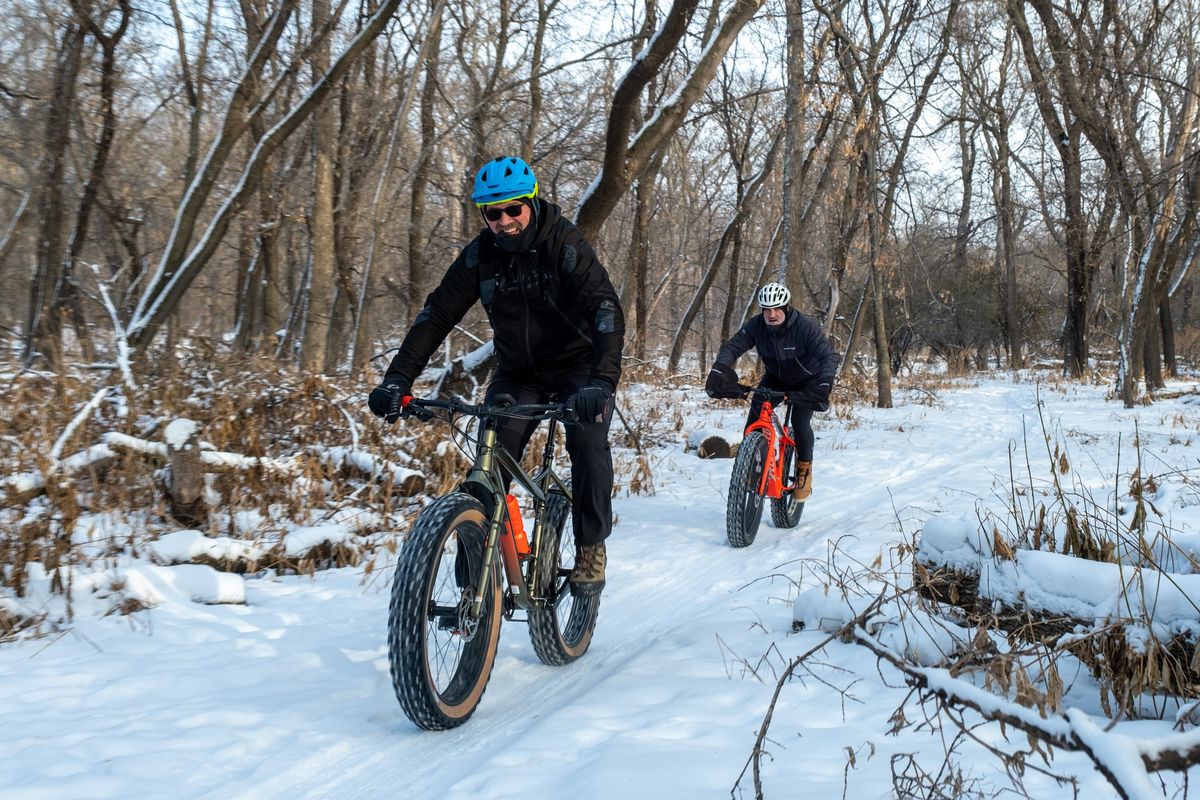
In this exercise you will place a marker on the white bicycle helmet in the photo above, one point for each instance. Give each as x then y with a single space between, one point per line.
774 295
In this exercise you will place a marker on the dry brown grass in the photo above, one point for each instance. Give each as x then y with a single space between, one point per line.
251 407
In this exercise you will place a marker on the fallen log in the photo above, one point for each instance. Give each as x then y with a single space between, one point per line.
19 489
1135 626
189 464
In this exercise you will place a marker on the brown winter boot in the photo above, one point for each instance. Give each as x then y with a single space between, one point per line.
803 482
587 577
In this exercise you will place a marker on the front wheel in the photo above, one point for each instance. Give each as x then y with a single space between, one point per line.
561 631
786 510
744 506
441 657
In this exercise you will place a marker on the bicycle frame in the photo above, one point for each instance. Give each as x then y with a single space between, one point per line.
490 459
771 483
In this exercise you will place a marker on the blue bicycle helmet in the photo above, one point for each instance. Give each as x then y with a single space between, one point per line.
504 178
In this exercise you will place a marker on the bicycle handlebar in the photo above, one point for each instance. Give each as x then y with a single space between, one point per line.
765 393
538 411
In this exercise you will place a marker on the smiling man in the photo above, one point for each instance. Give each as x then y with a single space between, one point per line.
797 359
558 330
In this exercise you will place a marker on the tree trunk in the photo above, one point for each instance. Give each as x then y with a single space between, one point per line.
640 260
1167 333
321 227
795 93
41 323
417 235
66 292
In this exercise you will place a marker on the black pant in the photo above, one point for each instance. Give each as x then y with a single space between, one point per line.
587 444
800 419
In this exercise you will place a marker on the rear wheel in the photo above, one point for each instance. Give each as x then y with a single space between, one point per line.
562 630
441 658
786 510
744 506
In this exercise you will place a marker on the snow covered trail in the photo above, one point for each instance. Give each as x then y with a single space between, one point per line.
289 696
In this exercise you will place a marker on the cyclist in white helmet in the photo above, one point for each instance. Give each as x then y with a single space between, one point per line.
797 359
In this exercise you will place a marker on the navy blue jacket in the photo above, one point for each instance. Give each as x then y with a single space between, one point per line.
796 354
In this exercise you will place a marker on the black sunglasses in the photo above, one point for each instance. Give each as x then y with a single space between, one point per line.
513 211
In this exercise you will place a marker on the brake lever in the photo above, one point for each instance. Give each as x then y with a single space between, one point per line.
411 409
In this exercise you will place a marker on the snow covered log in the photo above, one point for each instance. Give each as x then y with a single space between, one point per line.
23 487
1116 618
193 464
713 443
467 373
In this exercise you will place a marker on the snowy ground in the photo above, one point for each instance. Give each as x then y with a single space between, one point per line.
288 695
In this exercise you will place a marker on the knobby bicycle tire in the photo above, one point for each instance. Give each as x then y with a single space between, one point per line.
440 663
786 510
562 631
744 505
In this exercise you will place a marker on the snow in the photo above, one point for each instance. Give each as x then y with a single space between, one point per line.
300 540
179 432
185 582
182 547
277 686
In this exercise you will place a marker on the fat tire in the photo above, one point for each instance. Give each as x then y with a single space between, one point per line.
786 510
410 623
560 635
742 512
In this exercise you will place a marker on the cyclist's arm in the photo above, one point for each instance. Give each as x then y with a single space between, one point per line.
819 346
595 295
444 308
737 345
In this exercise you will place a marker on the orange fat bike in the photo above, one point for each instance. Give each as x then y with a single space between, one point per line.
764 469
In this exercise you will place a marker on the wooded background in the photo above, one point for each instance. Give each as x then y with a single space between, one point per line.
990 184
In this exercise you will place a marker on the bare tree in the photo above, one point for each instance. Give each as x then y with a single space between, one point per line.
66 295
745 202
625 160
863 62
179 266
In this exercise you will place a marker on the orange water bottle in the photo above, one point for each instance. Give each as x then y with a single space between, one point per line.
513 542
516 526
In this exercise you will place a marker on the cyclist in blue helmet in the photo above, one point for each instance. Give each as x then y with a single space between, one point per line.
557 329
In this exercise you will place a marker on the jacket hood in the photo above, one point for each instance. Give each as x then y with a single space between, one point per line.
545 216
789 320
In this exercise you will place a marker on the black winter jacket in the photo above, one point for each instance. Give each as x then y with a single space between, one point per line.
552 307
796 353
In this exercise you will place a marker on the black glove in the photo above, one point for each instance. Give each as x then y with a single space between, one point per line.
723 382
591 401
813 395
387 399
